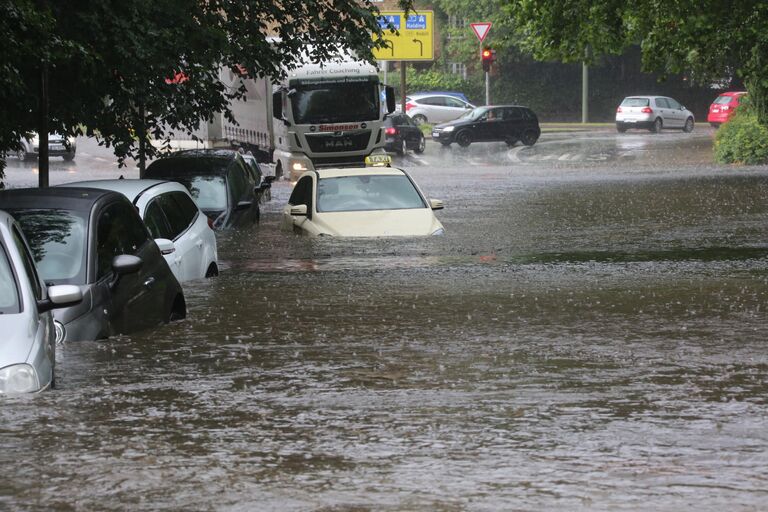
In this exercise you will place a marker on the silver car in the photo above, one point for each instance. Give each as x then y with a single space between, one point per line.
653 113
435 108
27 355
58 145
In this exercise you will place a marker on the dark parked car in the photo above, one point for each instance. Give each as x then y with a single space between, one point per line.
505 123
402 134
218 179
96 240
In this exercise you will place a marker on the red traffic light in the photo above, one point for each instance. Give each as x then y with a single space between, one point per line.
487 53
487 56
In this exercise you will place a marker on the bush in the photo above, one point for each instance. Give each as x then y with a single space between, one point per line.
742 140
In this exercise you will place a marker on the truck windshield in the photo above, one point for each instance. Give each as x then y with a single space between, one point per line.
335 102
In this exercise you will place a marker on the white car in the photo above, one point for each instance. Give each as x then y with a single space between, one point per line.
170 213
380 201
435 108
653 113
27 357
58 145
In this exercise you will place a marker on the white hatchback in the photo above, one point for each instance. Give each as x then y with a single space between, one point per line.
653 113
435 108
170 213
368 202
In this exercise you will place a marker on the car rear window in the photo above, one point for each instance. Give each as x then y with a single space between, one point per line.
723 100
9 294
635 102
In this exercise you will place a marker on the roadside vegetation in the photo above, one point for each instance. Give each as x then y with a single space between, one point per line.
742 140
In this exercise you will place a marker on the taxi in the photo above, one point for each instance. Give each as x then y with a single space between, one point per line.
373 201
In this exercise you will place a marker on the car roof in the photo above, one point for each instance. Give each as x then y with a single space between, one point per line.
66 198
733 93
130 188
358 171
420 94
192 162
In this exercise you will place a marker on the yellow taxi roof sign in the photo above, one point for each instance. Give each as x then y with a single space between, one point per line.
378 160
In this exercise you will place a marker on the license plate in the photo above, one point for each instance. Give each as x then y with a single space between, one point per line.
435 134
56 147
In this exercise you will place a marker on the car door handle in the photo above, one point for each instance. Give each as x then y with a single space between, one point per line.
149 283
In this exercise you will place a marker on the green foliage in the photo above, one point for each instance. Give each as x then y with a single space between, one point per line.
108 61
742 140
435 80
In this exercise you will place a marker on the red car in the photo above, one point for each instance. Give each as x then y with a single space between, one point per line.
721 110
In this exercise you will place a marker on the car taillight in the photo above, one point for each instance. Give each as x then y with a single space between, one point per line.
647 110
210 222
409 106
390 131
618 110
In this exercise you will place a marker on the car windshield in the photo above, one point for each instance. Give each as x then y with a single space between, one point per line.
367 192
635 102
57 239
209 192
474 114
9 294
335 101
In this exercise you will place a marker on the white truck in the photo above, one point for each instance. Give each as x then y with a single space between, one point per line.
319 115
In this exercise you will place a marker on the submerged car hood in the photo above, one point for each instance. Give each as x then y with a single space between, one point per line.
18 332
412 222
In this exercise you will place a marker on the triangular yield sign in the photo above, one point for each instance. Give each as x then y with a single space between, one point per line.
481 29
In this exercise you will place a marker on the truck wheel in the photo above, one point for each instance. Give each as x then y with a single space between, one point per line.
463 138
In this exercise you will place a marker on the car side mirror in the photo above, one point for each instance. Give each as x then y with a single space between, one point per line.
166 246
436 204
60 296
123 265
300 210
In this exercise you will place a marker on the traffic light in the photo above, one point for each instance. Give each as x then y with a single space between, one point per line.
487 56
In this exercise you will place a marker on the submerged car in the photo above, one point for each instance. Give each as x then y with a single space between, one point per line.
218 179
653 113
723 108
58 145
27 351
402 134
370 202
95 239
498 123
169 211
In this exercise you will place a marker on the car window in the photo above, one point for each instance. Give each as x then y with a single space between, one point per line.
9 292
209 192
661 102
635 102
29 265
155 220
57 238
177 211
673 103
437 101
512 114
237 182
302 192
454 102
119 230
368 192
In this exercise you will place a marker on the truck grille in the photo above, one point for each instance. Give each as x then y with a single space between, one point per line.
330 143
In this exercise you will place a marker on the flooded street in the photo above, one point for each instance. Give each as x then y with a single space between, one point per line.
590 334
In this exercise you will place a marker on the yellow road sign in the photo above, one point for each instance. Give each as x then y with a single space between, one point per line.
414 40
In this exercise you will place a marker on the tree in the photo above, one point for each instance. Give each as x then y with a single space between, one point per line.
111 63
710 39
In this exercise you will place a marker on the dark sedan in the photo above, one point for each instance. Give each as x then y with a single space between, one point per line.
402 134
502 123
220 183
96 240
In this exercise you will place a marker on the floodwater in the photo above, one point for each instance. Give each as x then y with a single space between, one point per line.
589 335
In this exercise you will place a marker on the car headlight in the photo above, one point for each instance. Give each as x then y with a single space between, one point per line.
18 378
299 166
60 331
439 232
448 128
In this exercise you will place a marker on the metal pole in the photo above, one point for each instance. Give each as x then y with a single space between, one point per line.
487 89
402 85
585 87
42 129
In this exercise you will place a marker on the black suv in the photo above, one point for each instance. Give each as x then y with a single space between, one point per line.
504 123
